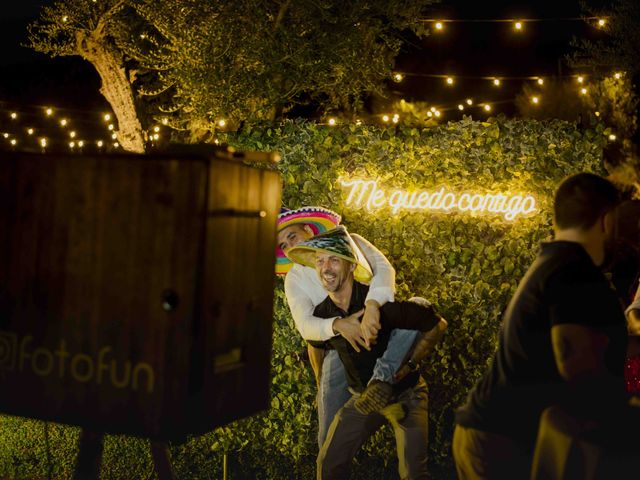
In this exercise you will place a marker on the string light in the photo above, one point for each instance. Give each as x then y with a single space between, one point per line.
580 79
496 82
99 143
332 121
5 135
602 22
107 117
460 107
72 144
72 134
49 111
156 129
43 142
396 118
81 143
517 26
449 80
165 120
385 118
30 131
617 75
597 113
535 100
222 122
429 114
64 122
156 136
398 77
612 137
437 113
487 107
439 25
358 122
116 144
13 142
114 136
14 115
583 91
540 81
110 127
469 101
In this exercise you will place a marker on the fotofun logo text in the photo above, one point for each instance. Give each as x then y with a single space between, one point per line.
20 355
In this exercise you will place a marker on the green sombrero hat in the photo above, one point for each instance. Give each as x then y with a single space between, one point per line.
334 242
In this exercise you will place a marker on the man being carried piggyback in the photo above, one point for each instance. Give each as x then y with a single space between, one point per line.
334 256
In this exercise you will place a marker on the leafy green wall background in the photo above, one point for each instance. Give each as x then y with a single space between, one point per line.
467 265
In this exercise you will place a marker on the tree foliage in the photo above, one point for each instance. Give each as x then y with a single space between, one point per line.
201 62
620 48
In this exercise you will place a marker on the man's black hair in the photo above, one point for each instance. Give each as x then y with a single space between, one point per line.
582 199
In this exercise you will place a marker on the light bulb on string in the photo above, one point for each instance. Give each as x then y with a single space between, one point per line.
99 143
30 131
487 107
116 144
107 117
358 122
165 120
602 22
48 112
617 75
110 127
438 26
64 122
156 129
397 77
72 144
540 81
612 137
433 109
81 143
72 134
114 136
449 80
13 142
469 101
429 114
5 135
332 121
496 82
597 114
437 113
43 142
222 122
385 118
14 115
460 107
583 91
535 100
580 79
517 26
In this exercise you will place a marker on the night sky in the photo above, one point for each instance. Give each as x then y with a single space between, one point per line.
462 49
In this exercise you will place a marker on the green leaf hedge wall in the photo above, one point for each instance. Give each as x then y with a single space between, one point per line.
468 265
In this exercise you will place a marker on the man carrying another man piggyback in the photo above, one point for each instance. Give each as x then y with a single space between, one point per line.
327 294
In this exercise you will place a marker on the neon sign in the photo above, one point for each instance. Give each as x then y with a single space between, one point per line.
367 194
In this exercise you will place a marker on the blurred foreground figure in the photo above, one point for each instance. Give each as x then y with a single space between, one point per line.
563 338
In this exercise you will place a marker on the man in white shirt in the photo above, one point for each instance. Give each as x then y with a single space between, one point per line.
304 292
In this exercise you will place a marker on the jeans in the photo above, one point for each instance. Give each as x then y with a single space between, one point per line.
334 393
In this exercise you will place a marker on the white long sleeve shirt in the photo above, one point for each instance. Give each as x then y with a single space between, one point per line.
304 291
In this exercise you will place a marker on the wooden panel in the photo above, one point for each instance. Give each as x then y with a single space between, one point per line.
88 246
238 290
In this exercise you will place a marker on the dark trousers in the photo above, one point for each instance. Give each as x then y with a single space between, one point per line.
350 429
488 456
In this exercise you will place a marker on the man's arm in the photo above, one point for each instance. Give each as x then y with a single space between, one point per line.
422 349
578 351
381 289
